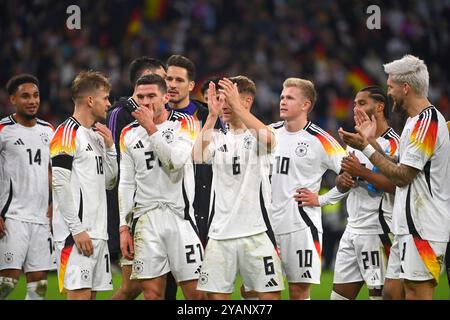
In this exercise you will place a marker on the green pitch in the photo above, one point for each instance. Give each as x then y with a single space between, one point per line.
318 292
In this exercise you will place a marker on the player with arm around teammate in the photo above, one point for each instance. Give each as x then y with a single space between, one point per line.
421 214
303 153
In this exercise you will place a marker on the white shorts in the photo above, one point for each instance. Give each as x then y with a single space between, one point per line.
301 256
53 258
76 271
360 258
393 268
255 257
26 246
416 259
125 262
163 243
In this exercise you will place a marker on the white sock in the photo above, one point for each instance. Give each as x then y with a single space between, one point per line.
337 296
375 298
36 290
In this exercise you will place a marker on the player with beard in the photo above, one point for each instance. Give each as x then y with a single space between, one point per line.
118 118
180 83
421 214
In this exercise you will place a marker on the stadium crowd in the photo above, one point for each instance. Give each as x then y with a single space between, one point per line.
325 41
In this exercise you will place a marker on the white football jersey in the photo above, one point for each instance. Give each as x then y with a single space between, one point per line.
387 201
363 202
24 164
157 169
300 160
82 171
240 186
422 208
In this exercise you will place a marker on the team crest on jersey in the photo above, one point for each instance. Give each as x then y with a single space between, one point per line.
301 150
248 140
9 257
45 139
168 135
138 266
85 276
203 278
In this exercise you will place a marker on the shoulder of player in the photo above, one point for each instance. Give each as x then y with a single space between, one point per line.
202 109
7 121
128 128
391 136
45 124
189 122
425 124
69 124
64 138
118 113
328 142
276 125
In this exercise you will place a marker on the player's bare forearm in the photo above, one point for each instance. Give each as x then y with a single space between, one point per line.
2 228
261 132
378 180
401 175
377 147
344 182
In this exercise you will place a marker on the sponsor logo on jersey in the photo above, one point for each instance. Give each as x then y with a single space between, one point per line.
139 145
198 270
306 275
19 142
271 283
223 148
89 148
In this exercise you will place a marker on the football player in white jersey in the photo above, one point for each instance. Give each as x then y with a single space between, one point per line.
118 117
84 165
240 235
25 237
303 153
156 186
421 214
365 245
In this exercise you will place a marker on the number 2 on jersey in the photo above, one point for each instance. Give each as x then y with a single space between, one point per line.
149 160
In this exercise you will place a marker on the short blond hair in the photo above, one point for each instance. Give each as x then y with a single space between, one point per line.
306 86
